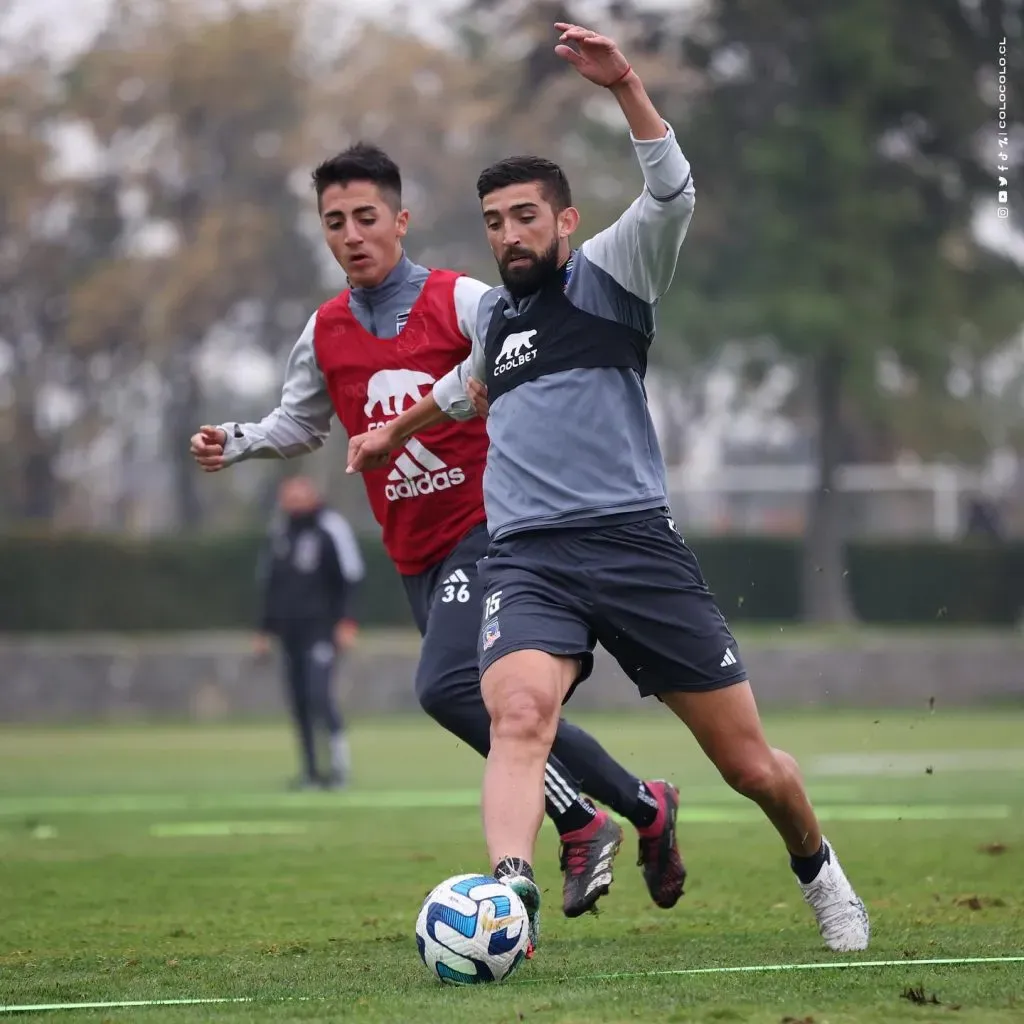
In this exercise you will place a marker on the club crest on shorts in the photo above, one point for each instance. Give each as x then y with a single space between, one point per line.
491 633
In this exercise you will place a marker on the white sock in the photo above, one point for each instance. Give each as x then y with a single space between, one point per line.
341 755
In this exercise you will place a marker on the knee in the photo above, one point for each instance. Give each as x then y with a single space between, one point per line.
755 773
520 710
524 716
523 695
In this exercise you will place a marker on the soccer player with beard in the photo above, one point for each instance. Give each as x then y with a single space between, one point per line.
364 356
583 546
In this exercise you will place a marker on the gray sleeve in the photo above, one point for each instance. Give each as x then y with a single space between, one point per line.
300 424
346 547
450 390
640 250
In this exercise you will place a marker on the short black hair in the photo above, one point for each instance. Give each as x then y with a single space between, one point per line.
361 162
521 170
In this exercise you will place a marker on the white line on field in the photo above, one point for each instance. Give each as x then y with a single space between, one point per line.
125 1004
753 969
900 763
770 968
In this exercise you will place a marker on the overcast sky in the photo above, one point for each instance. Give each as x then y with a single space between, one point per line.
70 22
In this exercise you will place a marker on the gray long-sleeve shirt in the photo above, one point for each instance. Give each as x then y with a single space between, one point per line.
579 444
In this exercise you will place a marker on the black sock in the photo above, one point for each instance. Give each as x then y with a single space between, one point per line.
807 868
579 814
512 867
645 811
567 807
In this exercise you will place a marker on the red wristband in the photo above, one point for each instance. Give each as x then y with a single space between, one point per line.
629 67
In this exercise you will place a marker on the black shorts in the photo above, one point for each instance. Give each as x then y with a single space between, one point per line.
634 587
445 602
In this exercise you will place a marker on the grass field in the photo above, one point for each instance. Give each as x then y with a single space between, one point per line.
146 863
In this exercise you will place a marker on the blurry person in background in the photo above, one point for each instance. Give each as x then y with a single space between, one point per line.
984 518
308 570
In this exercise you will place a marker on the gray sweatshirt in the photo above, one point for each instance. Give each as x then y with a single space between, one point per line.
571 445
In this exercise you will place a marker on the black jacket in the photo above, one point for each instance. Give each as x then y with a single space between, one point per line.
308 570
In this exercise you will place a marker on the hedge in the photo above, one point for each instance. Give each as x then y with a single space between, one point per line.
64 583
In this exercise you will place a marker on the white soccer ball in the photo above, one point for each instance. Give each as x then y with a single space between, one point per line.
472 929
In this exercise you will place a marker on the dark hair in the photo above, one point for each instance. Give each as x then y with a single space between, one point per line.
361 162
521 170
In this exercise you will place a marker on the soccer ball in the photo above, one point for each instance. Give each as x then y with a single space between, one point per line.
472 929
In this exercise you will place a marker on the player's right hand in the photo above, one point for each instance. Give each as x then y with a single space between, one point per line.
477 393
207 448
371 450
345 634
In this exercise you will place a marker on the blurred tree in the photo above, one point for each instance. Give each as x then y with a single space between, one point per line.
428 109
842 154
197 112
23 157
36 263
849 148
444 114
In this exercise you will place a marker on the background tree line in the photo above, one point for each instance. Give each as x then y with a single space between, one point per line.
155 217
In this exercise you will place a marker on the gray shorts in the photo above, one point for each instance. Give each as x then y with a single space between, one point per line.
445 602
634 587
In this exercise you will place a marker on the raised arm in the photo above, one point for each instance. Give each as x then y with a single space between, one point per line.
641 248
299 425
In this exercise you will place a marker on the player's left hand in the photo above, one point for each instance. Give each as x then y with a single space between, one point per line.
597 58
261 646
345 633
477 394
371 450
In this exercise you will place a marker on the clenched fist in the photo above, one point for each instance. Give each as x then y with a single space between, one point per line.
371 450
207 448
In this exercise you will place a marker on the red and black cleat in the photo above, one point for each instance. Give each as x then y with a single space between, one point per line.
659 858
586 861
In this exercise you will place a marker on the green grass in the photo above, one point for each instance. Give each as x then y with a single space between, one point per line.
159 863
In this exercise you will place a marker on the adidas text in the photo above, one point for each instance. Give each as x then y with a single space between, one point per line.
428 483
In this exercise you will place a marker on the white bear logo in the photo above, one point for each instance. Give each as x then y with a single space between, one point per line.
514 345
389 389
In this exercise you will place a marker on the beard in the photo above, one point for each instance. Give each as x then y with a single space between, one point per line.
529 277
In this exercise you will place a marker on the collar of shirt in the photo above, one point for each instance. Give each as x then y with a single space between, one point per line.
389 288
